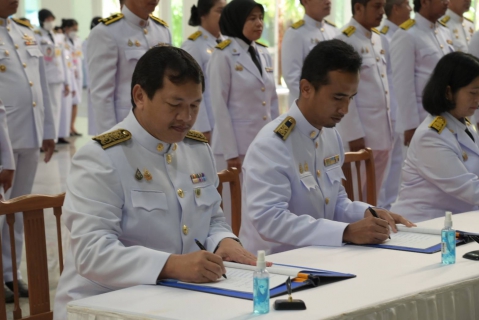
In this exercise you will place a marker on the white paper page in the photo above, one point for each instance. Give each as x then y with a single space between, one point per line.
413 240
419 230
286 271
242 280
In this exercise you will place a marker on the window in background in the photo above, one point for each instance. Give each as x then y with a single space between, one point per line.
176 27
110 7
31 11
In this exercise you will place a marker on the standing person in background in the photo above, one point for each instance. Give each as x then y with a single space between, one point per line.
301 37
461 27
201 45
397 12
91 118
368 122
70 30
24 91
415 50
244 97
114 48
55 63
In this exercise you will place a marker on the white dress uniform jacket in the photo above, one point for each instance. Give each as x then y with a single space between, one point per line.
415 50
201 45
130 206
369 111
24 87
243 100
77 58
114 48
298 41
462 30
292 193
6 153
441 170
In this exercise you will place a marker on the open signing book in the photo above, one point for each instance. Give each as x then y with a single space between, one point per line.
422 240
239 282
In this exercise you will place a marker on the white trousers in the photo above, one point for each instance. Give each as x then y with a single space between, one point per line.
56 93
390 190
26 161
65 116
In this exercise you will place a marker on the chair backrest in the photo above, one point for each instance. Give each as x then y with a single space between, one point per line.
32 207
231 176
366 156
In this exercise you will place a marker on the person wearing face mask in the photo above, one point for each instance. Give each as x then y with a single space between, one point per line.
70 29
55 63
114 48
200 45
301 37
243 92
368 122
441 170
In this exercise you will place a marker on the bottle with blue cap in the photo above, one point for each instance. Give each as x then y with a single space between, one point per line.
448 241
261 285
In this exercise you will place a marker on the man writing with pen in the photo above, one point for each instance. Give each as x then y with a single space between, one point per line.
140 194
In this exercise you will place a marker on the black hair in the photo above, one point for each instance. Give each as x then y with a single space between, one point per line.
201 9
94 22
388 7
122 2
68 23
43 15
455 70
353 2
417 5
326 56
165 61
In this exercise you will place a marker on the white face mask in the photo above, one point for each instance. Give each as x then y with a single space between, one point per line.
72 34
48 25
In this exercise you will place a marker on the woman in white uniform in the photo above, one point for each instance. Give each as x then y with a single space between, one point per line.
200 45
442 164
242 88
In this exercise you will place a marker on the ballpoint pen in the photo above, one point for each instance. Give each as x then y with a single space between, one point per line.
375 215
204 249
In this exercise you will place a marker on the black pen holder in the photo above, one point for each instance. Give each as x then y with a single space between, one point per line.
289 304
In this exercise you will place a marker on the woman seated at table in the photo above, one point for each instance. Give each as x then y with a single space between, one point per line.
441 169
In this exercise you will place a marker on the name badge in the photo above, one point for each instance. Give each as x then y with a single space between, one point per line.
331 160
269 69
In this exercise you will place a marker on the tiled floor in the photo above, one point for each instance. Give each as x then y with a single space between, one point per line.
50 179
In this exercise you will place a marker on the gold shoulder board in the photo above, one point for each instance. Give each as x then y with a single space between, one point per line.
159 21
408 24
445 19
23 23
442 23
468 19
385 30
375 30
285 128
112 19
113 138
196 135
38 32
330 23
261 44
438 124
223 44
297 24
195 35
349 31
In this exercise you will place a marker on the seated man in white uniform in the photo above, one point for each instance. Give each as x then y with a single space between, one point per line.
139 195
292 192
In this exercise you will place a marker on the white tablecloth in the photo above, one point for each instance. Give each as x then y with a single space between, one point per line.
389 285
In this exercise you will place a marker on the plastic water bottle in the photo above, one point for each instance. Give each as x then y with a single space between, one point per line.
261 286
448 241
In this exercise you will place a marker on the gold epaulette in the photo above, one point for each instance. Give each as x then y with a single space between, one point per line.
196 135
37 32
438 124
330 23
408 24
195 35
113 138
285 128
385 29
442 23
261 44
159 21
25 24
297 24
349 31
223 44
468 19
445 19
375 30
112 19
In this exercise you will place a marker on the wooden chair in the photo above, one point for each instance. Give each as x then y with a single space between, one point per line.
365 155
32 207
231 176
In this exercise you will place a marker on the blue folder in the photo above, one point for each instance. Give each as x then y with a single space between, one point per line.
433 249
318 277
